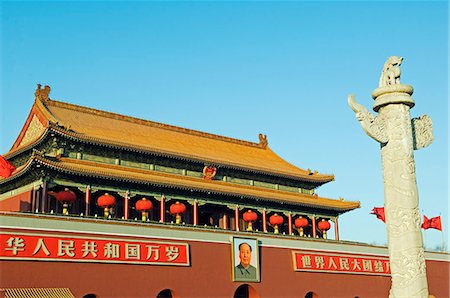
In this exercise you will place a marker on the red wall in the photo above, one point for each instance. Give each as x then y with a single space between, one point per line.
208 276
20 202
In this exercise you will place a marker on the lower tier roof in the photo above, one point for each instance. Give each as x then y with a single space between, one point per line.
125 174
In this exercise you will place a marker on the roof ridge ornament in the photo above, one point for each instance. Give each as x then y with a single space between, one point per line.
263 141
308 172
42 93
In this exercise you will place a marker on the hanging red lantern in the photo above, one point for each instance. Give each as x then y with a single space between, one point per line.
324 226
300 224
144 205
276 220
250 217
66 197
177 209
106 201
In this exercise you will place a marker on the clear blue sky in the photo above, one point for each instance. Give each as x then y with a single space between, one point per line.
241 68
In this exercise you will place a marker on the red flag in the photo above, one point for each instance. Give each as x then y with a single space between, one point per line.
379 212
432 223
5 167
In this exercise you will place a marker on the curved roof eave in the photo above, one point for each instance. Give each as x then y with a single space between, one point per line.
55 165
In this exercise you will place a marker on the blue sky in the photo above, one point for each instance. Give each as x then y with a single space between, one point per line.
241 68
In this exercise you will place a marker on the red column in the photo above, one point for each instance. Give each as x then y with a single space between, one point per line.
38 199
125 205
314 226
162 209
264 220
336 229
236 217
195 213
225 221
44 197
290 223
33 200
87 200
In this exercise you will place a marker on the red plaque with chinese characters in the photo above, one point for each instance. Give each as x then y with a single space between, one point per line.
315 261
24 246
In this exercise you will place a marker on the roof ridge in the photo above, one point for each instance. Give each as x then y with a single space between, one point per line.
140 121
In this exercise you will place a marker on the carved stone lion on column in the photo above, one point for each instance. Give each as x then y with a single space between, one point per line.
391 71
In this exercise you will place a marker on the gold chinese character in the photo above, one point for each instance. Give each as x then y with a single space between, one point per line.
332 264
320 262
15 244
367 265
356 265
111 250
344 265
306 260
171 253
66 247
41 245
153 251
378 266
89 247
387 266
132 251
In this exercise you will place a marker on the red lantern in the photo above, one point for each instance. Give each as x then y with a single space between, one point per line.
276 220
250 217
144 205
177 209
106 201
324 226
66 197
301 223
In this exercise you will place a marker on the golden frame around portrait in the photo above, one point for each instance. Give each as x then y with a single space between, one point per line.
245 260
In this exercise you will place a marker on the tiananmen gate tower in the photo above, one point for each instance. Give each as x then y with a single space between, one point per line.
98 204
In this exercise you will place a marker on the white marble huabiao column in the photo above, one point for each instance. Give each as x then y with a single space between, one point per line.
399 135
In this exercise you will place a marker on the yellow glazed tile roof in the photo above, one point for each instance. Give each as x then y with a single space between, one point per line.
115 129
179 181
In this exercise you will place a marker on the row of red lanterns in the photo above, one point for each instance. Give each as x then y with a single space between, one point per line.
143 205
276 220
108 201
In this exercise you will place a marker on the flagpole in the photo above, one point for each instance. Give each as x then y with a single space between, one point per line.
442 232
424 236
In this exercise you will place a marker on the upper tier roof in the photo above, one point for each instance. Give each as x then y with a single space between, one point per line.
124 131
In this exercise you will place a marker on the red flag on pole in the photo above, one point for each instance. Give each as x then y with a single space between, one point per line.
5 167
379 212
432 223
